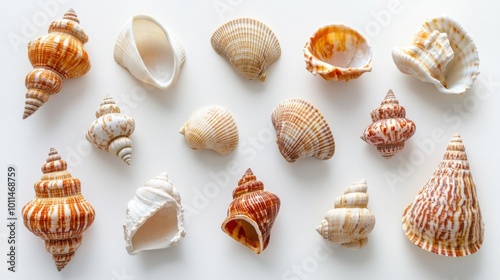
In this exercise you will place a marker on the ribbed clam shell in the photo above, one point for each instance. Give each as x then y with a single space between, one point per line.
350 222
338 52
443 54
59 214
251 214
211 127
445 217
390 128
111 130
249 45
56 56
302 131
154 217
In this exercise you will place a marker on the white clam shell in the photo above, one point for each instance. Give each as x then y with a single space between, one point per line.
149 51
154 217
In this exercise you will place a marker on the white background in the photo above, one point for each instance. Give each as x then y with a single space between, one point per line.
307 188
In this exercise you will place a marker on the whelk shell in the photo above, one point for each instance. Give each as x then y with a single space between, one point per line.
338 52
302 131
445 217
249 45
442 53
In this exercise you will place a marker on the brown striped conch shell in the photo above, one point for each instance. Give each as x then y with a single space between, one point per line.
390 128
211 127
59 214
445 217
111 130
251 215
154 217
302 131
338 52
442 53
350 222
249 45
56 56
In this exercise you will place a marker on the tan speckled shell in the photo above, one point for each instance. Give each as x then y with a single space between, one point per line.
445 217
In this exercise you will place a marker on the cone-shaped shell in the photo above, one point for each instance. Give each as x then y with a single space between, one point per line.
252 213
338 52
111 130
154 217
445 217
442 53
59 214
249 45
302 131
390 128
350 222
211 127
56 56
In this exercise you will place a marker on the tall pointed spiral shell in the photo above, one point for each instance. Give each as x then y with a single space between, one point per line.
302 131
442 53
249 45
445 217
154 216
350 222
56 56
390 128
111 130
251 214
59 214
211 127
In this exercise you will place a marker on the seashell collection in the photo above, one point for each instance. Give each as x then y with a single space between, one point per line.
59 214
350 221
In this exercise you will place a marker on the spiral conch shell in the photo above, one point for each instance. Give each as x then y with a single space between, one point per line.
59 214
56 56
442 53
350 222
252 213
154 217
302 131
338 52
445 217
390 129
211 127
249 45
111 130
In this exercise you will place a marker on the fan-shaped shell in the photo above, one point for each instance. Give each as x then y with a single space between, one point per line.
111 130
338 52
442 53
59 214
251 214
445 217
154 216
56 56
390 128
211 127
302 131
249 45
350 222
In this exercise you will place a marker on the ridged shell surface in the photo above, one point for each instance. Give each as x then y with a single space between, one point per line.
302 131
350 222
211 127
249 45
56 56
154 217
59 214
445 217
390 128
111 130
338 52
251 214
